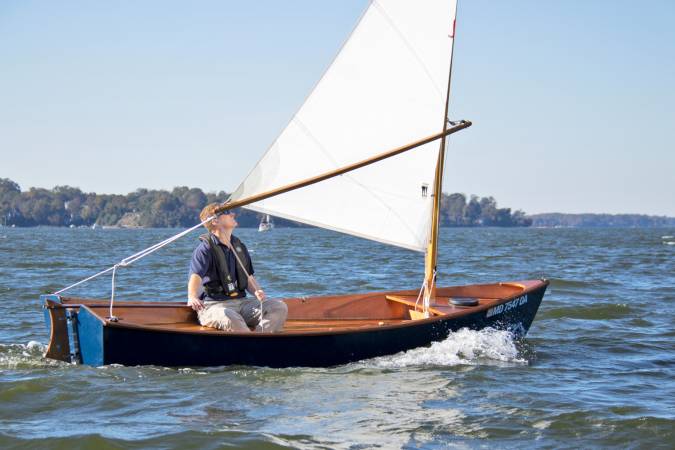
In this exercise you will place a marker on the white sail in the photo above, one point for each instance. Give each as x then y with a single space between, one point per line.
386 88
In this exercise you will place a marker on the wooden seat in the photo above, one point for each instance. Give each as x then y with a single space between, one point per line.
411 301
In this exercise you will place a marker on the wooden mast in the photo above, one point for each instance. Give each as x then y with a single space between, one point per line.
431 256
333 173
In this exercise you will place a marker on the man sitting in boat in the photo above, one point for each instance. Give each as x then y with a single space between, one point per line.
220 274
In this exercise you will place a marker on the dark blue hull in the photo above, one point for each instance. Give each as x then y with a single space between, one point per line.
102 343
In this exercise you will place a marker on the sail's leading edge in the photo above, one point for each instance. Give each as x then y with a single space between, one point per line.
386 88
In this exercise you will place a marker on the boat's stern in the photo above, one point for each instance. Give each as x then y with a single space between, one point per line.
75 333
58 321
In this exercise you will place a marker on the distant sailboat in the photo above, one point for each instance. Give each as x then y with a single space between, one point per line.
387 91
266 223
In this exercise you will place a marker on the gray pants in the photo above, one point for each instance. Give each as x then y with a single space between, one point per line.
242 314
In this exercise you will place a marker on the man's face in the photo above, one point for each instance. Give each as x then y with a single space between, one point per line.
225 222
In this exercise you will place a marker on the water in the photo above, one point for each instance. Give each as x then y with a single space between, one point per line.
596 370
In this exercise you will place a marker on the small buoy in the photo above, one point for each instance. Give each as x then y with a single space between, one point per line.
463 301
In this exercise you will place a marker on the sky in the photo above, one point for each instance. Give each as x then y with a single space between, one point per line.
573 102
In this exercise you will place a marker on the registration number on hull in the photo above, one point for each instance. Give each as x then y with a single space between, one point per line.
505 307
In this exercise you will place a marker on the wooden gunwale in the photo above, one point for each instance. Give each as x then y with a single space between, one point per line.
527 288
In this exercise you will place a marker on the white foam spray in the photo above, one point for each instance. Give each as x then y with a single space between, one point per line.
465 346
13 356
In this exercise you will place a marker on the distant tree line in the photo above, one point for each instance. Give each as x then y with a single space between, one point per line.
65 205
601 220
180 207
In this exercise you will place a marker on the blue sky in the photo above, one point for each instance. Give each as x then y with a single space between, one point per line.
573 102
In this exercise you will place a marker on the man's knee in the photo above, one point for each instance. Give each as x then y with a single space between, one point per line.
277 308
217 316
209 315
276 313
234 321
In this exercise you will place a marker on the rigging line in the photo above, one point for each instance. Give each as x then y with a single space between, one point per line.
85 280
427 299
424 284
248 276
111 316
136 256
154 248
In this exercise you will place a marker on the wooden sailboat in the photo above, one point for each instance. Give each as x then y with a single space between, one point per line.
387 90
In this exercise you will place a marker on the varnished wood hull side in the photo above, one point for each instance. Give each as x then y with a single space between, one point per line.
101 344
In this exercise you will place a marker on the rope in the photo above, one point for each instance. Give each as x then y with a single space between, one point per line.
143 253
132 259
424 283
248 275
136 256
426 300
112 294
85 280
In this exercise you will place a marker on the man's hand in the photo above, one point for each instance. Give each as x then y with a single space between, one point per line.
254 288
194 283
195 303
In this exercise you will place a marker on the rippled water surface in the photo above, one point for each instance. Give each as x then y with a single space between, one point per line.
596 370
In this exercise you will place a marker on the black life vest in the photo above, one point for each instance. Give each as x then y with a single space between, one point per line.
227 285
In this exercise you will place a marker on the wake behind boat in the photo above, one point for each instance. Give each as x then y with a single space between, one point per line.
365 156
